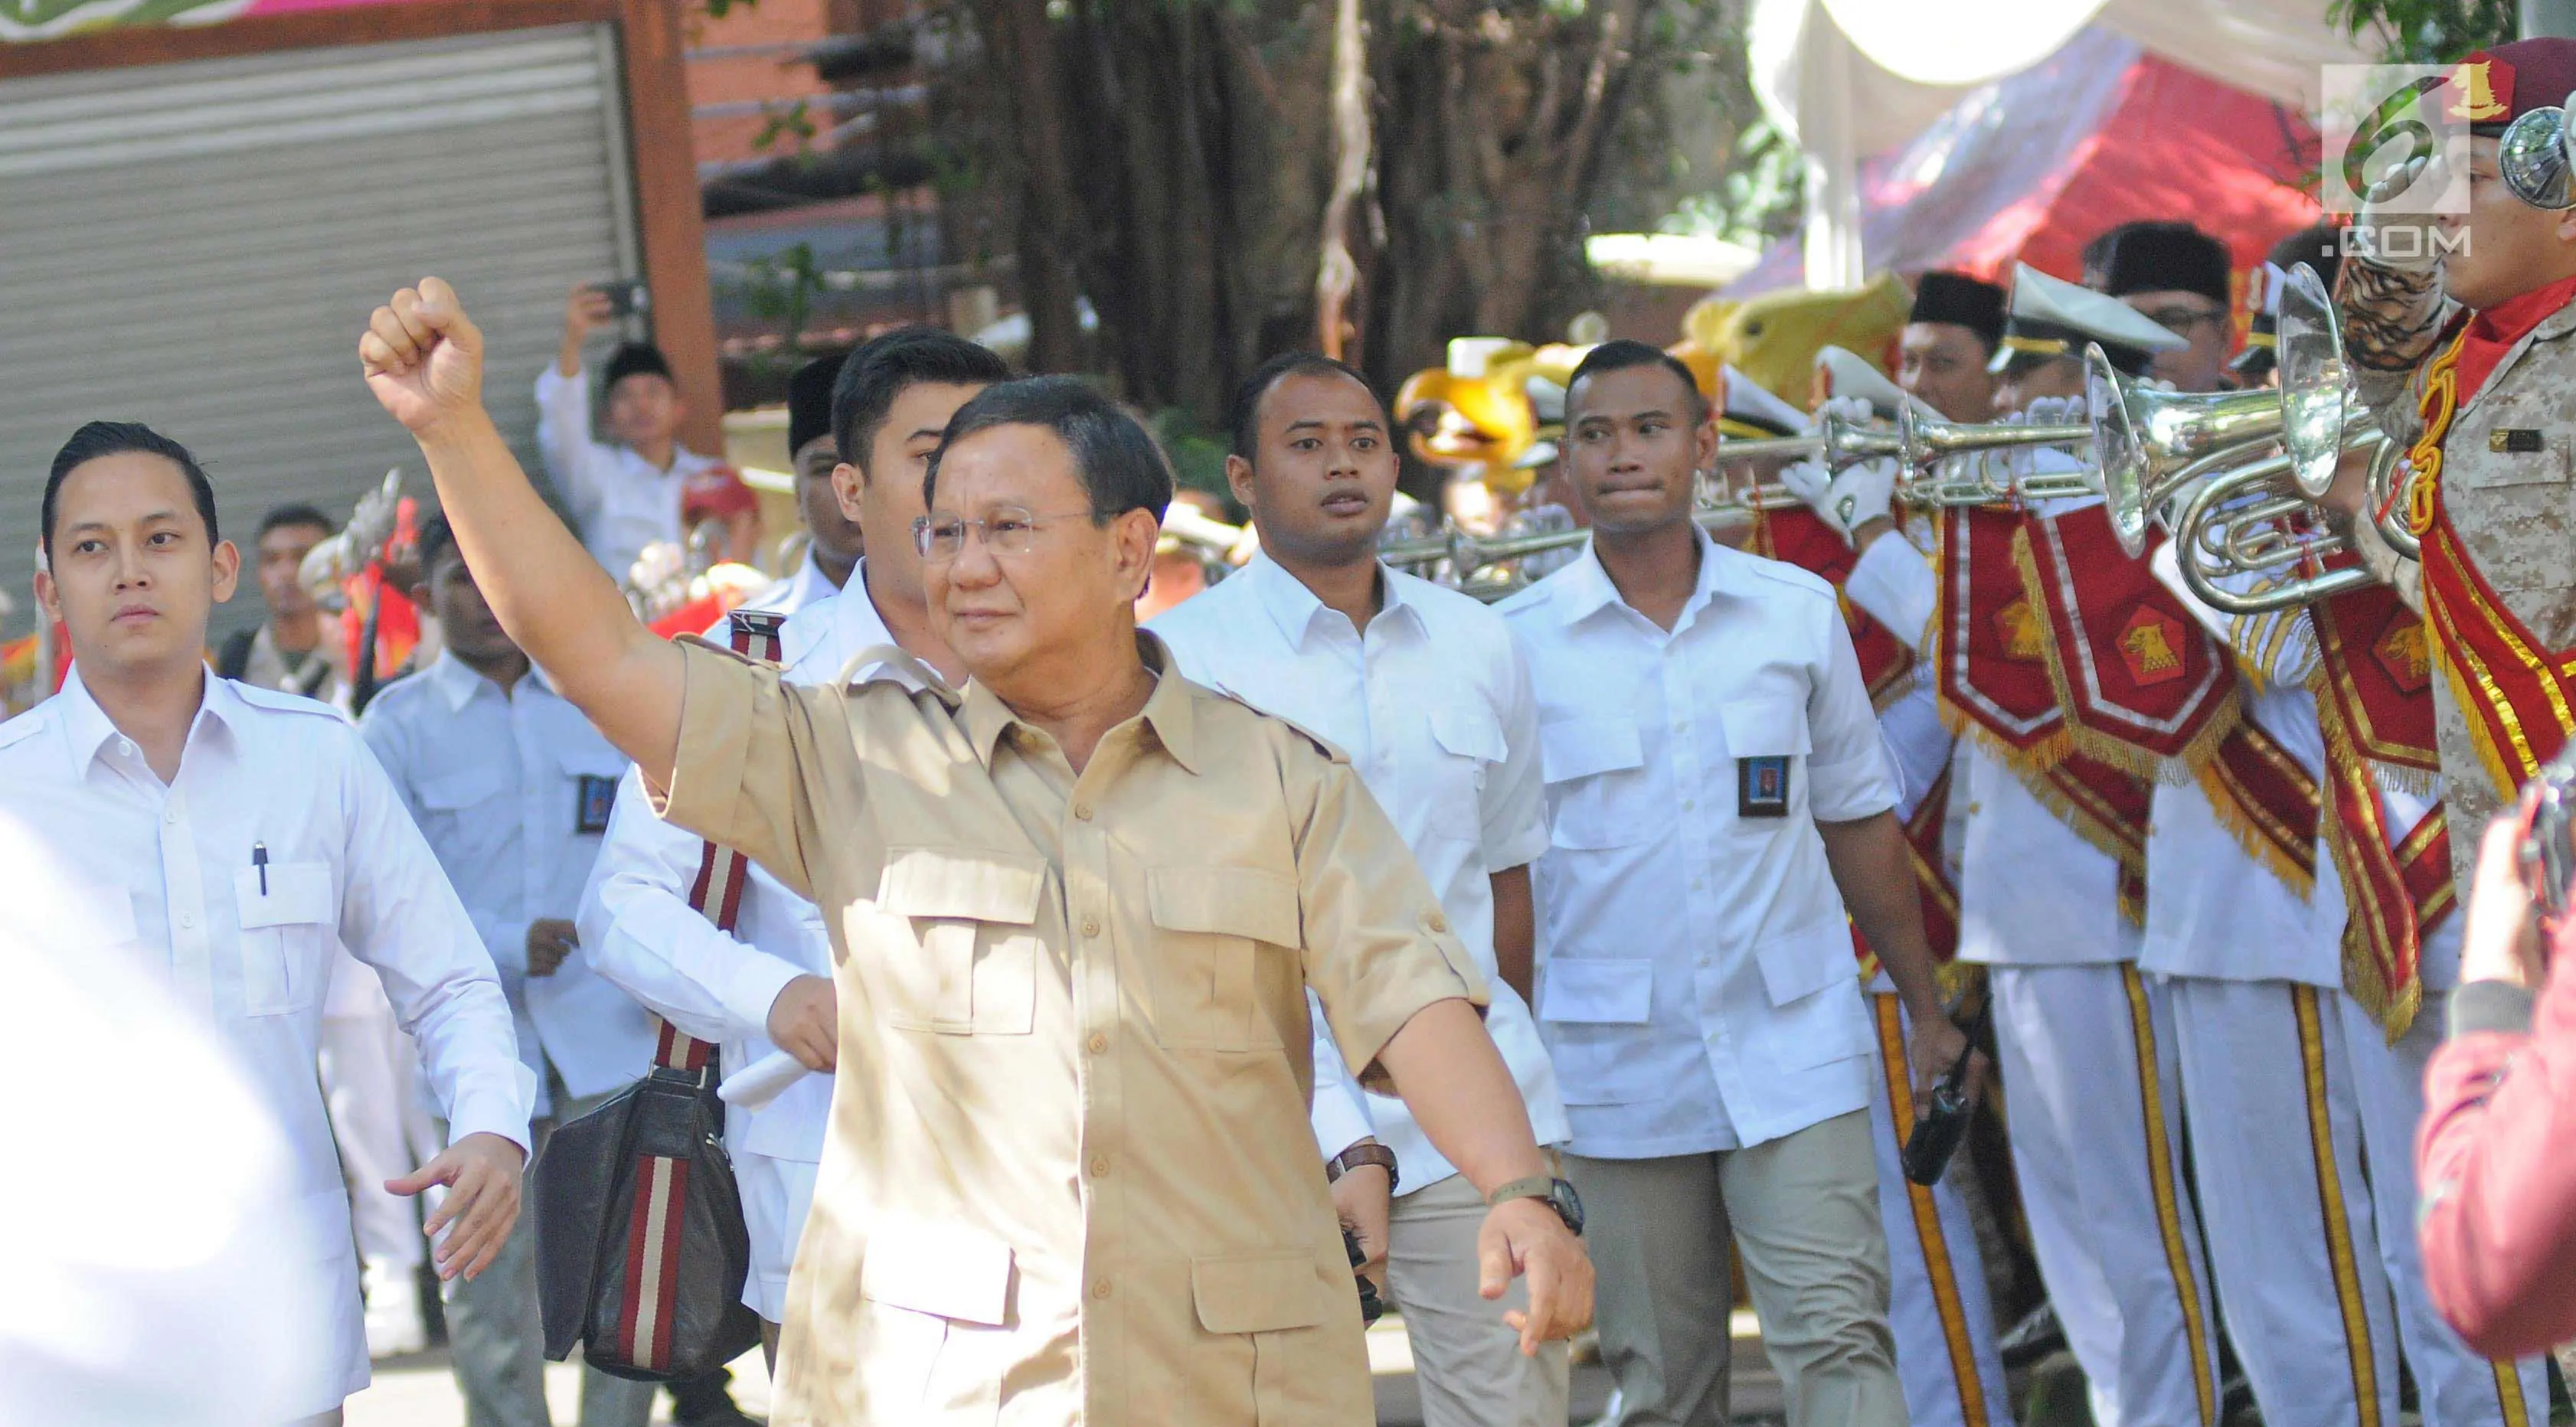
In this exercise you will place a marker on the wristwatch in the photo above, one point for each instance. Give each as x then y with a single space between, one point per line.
1367 1152
1560 1196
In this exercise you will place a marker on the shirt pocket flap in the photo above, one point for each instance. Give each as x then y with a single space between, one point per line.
1468 733
1599 992
1764 728
464 788
1579 748
1257 1293
1225 901
592 763
1800 964
946 1270
299 893
956 882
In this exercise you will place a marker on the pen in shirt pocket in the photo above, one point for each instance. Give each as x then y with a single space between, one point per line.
259 859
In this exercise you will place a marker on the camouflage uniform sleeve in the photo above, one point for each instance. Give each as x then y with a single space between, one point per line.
2391 321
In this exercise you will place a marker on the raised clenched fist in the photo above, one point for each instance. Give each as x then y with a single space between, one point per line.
423 358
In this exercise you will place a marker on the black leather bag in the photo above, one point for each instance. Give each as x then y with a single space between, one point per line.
641 1250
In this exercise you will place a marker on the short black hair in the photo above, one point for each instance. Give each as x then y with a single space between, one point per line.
118 438
279 517
1120 465
1623 354
435 539
883 366
635 359
1243 414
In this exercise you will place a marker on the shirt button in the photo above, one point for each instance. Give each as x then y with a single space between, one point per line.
1437 922
1100 1290
1972 809
170 816
1699 884
187 920
1082 811
1686 804
1090 928
1100 1168
1099 1043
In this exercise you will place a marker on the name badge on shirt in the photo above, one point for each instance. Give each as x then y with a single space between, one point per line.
598 799
1762 787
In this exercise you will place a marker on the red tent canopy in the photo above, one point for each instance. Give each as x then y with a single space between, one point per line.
2031 167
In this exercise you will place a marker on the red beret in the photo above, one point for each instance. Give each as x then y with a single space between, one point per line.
2492 88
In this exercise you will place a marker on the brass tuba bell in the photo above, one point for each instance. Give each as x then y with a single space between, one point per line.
2150 442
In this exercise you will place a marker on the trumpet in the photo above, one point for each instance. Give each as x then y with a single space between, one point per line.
1835 442
2252 517
1951 462
1468 554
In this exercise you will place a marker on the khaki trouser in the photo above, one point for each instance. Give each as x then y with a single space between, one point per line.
1469 1365
1804 1211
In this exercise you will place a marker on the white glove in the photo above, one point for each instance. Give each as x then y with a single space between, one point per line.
2377 238
2053 411
1854 410
1864 492
1810 482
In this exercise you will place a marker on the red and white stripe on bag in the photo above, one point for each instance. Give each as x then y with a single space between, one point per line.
661 1182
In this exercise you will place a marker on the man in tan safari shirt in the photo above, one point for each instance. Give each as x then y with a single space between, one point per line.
2466 357
1076 909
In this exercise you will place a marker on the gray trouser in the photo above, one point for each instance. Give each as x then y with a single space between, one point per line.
1804 1211
497 1340
1469 1365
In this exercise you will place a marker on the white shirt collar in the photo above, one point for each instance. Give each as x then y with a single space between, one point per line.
457 684
1295 608
87 728
1584 588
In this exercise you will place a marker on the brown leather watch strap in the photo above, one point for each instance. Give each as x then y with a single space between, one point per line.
1360 1154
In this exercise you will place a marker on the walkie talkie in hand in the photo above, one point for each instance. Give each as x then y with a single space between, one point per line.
1941 1122
1372 1308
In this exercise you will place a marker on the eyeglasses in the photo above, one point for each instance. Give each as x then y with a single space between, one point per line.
2179 319
1009 530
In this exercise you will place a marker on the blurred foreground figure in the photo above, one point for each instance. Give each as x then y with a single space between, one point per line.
153 1266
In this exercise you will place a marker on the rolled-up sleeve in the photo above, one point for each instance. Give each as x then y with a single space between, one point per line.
1377 946
639 931
1848 777
400 916
747 760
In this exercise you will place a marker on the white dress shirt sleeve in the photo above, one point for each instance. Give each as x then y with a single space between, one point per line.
1918 744
400 916
505 939
1514 800
563 438
1848 777
2279 646
1896 586
639 931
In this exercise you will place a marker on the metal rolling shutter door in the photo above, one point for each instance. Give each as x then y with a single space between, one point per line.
197 246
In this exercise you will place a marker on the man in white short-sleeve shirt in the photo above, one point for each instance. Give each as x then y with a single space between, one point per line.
1719 799
1422 687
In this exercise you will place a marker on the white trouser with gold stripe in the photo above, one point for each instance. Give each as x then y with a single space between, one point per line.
2302 1134
1937 1304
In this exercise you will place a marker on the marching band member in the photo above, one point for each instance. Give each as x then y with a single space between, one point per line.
2051 882
2243 934
230 838
1949 341
2464 357
2315 1235
1423 688
1719 797
769 984
1939 1305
